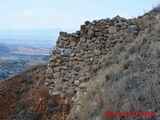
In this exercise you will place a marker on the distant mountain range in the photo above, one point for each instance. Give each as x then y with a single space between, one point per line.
31 38
38 32
16 51
31 32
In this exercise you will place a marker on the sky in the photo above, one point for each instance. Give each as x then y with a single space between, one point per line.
66 14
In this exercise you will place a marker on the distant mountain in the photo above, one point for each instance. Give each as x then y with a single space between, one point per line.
29 41
31 32
12 51
33 38
34 32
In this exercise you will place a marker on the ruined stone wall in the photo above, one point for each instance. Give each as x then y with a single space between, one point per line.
76 56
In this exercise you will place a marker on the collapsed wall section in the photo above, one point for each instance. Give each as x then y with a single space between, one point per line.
76 56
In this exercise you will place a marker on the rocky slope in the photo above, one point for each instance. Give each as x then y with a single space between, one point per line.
110 64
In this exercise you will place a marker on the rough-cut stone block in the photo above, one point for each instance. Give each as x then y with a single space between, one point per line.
158 17
73 44
97 52
104 52
55 93
87 22
113 41
105 31
64 67
50 76
68 51
70 39
63 38
52 59
57 64
63 34
112 30
94 39
65 54
102 25
56 51
83 85
82 27
51 64
77 82
56 75
49 80
111 37
56 69
49 70
134 27
91 32
116 36
82 39
76 68
71 64
65 59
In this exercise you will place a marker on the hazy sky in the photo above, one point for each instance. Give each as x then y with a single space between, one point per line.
66 14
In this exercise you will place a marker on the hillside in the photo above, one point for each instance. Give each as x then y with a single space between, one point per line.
108 65
15 58
24 97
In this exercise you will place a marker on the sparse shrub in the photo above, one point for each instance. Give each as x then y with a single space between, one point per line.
52 106
108 63
125 64
20 105
27 79
34 116
156 8
157 28
136 91
20 112
107 77
42 82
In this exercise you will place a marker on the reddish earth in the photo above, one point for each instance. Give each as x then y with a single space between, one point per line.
29 87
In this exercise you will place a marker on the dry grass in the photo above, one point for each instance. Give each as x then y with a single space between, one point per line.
131 85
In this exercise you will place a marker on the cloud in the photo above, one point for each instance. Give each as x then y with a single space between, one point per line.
40 17
70 14
29 14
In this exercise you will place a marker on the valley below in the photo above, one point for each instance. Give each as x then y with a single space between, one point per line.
18 53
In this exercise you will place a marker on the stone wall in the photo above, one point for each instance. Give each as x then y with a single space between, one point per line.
76 56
